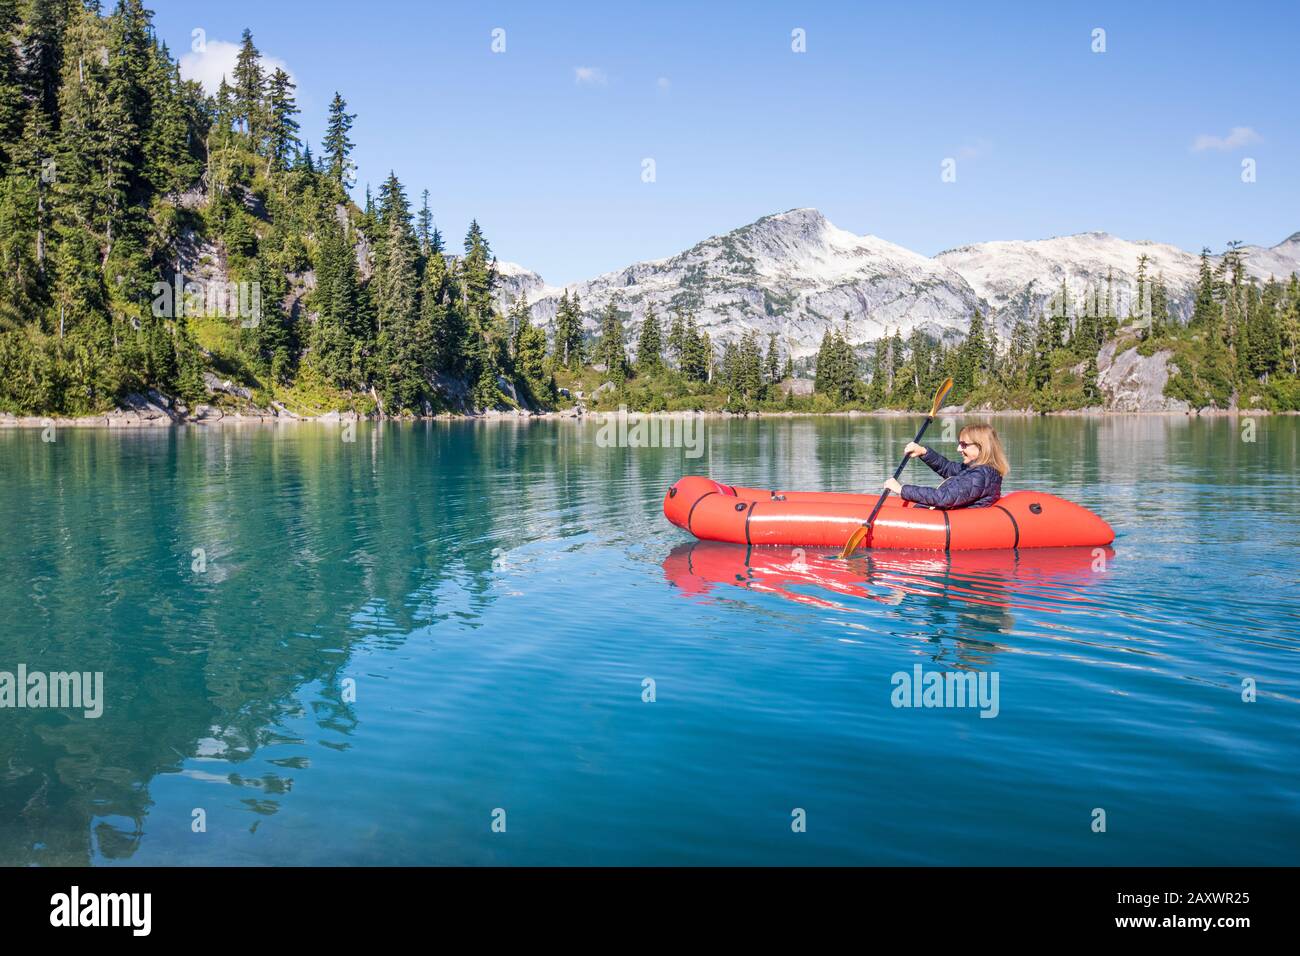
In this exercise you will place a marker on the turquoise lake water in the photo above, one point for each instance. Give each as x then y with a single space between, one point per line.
387 644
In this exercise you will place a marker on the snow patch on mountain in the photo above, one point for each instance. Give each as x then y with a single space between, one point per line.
796 274
1019 279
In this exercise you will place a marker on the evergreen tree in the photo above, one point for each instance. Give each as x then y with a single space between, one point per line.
836 372
1264 338
1205 311
1091 391
649 349
530 360
1141 311
444 327
747 369
611 352
677 337
282 128
11 91
337 146
568 332
697 353
424 226
335 302
772 366
974 356
249 89
1040 367
485 347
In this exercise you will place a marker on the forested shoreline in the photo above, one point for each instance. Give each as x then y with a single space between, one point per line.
120 181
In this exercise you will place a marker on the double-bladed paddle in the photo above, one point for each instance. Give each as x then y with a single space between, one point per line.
860 535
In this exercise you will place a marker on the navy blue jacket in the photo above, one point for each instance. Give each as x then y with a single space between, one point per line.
965 486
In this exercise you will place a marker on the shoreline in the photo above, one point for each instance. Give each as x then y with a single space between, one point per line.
158 417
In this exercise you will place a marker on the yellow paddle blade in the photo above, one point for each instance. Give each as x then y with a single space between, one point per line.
855 541
939 396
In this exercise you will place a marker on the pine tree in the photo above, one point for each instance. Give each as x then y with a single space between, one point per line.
443 322
568 332
677 337
1160 317
697 353
1205 311
486 335
11 91
1264 339
1040 366
649 349
973 357
337 146
836 372
747 373
611 352
1091 391
424 226
1141 311
250 89
530 360
335 302
396 303
40 52
772 366
1020 353
282 128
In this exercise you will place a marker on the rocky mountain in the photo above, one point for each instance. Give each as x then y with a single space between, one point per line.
797 274
1019 279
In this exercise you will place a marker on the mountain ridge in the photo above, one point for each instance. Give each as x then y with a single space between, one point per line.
796 274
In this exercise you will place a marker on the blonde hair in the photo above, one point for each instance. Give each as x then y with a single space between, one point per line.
991 452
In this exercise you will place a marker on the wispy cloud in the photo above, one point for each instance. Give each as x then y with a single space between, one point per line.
217 59
589 76
1237 137
975 149
664 83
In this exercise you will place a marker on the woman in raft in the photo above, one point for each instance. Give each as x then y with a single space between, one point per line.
975 482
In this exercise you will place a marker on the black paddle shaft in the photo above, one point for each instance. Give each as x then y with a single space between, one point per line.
899 470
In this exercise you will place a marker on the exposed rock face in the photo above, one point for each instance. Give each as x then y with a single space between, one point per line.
796 274
1131 382
1019 280
150 409
214 384
796 386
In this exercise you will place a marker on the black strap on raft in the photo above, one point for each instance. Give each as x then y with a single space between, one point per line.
1015 524
947 532
691 514
752 506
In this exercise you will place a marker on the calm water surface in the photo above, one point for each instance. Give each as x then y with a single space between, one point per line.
394 638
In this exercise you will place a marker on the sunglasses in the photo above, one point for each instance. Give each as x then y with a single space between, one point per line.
963 445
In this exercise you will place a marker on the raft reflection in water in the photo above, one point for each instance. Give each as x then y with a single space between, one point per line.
1044 579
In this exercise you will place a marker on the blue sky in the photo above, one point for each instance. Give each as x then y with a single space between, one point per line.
544 143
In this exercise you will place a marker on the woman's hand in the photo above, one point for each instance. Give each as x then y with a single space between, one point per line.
914 450
893 485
